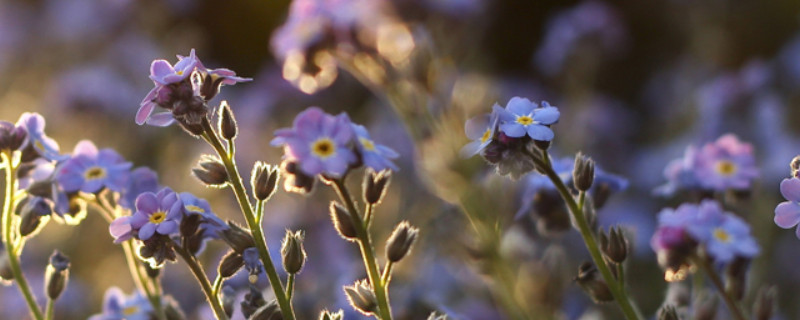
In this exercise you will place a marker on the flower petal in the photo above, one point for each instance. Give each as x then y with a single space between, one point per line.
167 227
540 133
520 106
787 214
546 115
147 231
513 130
790 189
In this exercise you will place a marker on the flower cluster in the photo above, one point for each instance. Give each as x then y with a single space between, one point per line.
722 235
184 90
724 164
504 136
323 144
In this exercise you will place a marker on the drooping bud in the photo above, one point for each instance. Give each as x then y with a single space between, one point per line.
591 282
614 245
400 242
667 312
764 307
736 277
252 301
237 237
230 264
361 297
11 137
342 222
375 185
228 298
34 214
583 173
269 311
264 180
296 180
227 123
328 315
211 172
292 252
57 275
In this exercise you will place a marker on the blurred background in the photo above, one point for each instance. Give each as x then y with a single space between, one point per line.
636 83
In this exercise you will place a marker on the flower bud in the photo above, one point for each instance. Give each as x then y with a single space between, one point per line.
795 165
230 264
57 275
328 315
583 173
342 222
6 274
667 312
264 180
227 123
189 224
375 185
400 242
591 282
238 238
296 180
269 311
736 277
228 298
614 245
292 251
33 212
11 137
211 172
152 273
361 297
253 300
764 307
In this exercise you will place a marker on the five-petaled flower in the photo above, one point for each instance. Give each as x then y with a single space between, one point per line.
90 170
373 155
155 213
522 117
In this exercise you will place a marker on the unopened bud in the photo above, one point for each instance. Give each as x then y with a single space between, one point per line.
253 300
152 273
764 306
375 185
328 315
361 297
342 222
269 311
6 273
591 282
795 165
667 312
400 242
211 172
11 137
583 173
32 213
292 251
228 298
615 245
237 237
736 277
296 180
264 180
230 264
57 275
227 123
189 224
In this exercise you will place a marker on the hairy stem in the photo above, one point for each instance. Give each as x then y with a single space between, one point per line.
201 277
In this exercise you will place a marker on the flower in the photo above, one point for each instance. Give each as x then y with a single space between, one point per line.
163 74
373 155
117 306
90 170
209 221
155 213
318 142
521 117
787 213
481 130
37 139
141 180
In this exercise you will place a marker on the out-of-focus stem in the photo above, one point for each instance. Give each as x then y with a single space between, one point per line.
201 277
715 279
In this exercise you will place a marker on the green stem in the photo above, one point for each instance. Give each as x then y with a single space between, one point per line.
8 231
217 286
387 274
715 279
290 286
617 291
259 211
235 180
50 309
201 277
368 208
367 251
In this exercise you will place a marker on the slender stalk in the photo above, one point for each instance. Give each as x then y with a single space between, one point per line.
201 277
368 208
217 286
235 180
387 274
50 309
8 231
290 286
367 251
259 211
616 289
715 279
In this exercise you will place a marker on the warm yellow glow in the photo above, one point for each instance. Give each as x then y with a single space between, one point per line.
486 135
726 168
195 209
158 217
394 42
675 275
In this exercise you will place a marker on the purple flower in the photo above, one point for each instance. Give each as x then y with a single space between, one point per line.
373 155
90 170
318 142
141 180
787 213
521 117
726 164
481 131
38 140
155 213
117 306
210 223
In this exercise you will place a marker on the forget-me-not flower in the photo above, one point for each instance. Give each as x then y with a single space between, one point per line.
90 170
522 117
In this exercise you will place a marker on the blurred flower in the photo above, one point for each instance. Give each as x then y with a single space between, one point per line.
117 306
373 155
787 213
141 180
481 130
90 170
45 146
155 213
521 117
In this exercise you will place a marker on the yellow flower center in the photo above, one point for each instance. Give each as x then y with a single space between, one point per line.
38 145
486 135
158 217
726 168
323 148
367 144
524 120
130 310
195 209
94 173
179 72
722 235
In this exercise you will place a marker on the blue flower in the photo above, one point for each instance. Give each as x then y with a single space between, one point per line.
210 222
521 117
38 140
318 142
117 306
90 170
373 155
141 180
787 213
155 213
481 131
